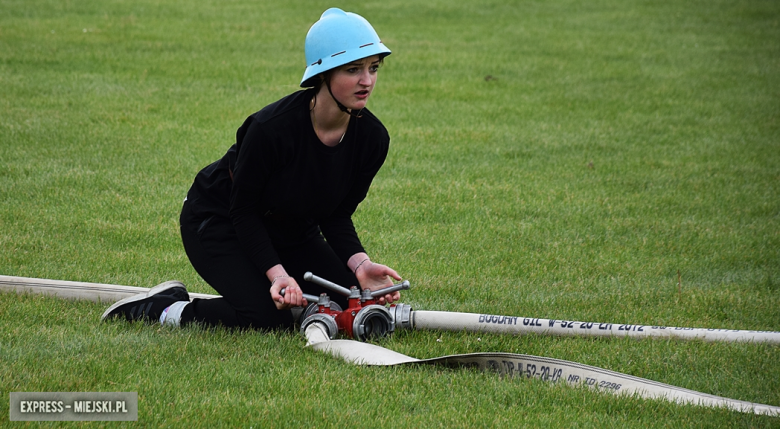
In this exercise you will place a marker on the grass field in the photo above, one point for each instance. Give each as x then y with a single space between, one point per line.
612 161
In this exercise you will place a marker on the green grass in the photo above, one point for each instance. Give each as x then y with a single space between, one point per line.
548 159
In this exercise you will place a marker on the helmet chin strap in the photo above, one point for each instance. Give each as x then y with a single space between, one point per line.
342 107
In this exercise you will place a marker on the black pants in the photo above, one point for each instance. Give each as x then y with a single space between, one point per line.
214 251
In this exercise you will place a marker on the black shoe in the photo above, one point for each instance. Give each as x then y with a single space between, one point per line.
148 306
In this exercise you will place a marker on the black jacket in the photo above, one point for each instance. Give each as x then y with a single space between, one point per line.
279 184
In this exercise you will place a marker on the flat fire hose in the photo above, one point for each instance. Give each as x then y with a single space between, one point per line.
520 365
505 364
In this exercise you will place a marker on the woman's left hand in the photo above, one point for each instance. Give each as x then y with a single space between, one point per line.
377 276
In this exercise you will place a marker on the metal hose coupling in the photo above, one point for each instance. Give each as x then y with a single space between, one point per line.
325 302
363 319
325 320
401 315
372 321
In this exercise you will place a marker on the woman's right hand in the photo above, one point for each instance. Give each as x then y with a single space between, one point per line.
293 295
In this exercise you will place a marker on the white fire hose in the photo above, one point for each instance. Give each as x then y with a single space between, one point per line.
452 321
527 366
320 335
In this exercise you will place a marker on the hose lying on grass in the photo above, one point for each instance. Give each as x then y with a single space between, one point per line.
505 364
527 366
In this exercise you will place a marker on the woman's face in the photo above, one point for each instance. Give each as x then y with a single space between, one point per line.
353 83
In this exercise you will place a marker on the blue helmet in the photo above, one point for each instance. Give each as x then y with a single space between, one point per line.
339 38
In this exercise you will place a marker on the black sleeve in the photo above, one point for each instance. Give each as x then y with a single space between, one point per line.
338 228
256 161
